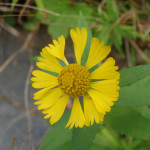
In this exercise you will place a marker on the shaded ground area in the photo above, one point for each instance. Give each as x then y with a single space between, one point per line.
26 128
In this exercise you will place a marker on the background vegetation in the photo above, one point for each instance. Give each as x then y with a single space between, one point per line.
125 25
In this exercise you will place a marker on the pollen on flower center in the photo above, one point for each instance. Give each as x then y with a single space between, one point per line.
74 80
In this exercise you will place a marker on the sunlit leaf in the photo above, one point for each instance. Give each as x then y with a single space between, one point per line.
131 75
83 137
128 121
58 135
133 96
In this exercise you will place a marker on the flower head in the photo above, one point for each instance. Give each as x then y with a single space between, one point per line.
99 88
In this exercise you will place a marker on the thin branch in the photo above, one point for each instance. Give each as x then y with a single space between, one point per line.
13 142
9 28
23 10
50 12
127 49
32 7
139 51
26 90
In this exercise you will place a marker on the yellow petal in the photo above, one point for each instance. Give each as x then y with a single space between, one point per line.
42 80
79 38
106 71
57 110
98 52
48 62
107 87
77 117
90 111
101 101
57 48
38 95
49 99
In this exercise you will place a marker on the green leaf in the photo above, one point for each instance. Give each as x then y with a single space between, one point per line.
143 82
117 39
105 33
66 146
13 3
82 137
106 138
82 23
112 9
39 3
100 147
142 36
144 146
133 96
57 31
131 75
145 111
129 122
58 135
10 20
30 25
35 58
67 15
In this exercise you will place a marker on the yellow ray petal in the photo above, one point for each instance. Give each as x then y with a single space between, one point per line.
38 95
42 80
108 87
48 62
57 48
79 38
90 111
77 117
97 53
106 71
57 110
101 101
49 99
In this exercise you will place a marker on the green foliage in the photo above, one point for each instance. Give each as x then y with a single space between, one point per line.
66 15
129 96
58 135
10 20
112 31
106 139
82 137
131 75
31 24
128 121
13 3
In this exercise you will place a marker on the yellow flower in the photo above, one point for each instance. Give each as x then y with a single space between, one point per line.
99 88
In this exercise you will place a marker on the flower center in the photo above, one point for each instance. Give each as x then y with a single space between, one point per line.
74 80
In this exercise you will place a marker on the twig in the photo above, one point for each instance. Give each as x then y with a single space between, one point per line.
125 16
24 46
102 3
27 104
6 9
23 10
31 7
9 28
127 53
11 122
50 12
15 104
13 142
139 51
